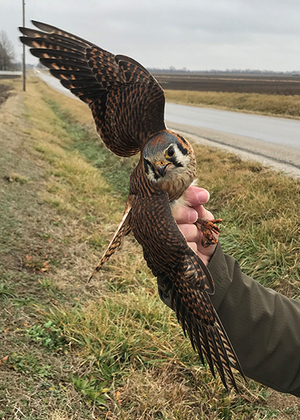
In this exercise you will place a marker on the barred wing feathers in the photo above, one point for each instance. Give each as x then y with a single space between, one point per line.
126 101
199 320
186 279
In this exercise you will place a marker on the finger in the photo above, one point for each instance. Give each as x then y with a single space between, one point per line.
190 232
203 213
195 196
184 214
193 246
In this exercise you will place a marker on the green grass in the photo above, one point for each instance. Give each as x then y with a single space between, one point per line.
260 213
110 349
113 169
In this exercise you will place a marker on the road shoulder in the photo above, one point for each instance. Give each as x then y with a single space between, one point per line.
276 156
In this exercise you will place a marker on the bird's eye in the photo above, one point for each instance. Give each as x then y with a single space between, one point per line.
170 152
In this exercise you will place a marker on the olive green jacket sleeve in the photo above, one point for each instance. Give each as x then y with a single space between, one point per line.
263 326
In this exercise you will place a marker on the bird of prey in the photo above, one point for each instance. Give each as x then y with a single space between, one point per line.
127 104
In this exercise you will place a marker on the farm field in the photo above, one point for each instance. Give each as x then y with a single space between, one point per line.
110 349
265 95
239 83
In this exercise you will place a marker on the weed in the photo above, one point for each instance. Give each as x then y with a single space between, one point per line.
28 364
92 389
46 284
6 292
48 335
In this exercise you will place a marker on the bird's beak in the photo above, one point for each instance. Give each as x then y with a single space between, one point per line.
161 167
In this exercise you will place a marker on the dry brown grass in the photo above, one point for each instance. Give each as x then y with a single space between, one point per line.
261 217
277 105
121 344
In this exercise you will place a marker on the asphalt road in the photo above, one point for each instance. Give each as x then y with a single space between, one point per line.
271 129
272 141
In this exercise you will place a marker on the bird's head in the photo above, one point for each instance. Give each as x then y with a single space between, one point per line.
169 163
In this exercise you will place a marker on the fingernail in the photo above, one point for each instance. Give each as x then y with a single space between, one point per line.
193 216
203 196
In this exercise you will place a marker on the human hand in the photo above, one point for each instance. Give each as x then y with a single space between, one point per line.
187 216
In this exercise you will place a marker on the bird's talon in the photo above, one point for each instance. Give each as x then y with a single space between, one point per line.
208 227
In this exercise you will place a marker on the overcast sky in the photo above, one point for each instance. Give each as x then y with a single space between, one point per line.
192 34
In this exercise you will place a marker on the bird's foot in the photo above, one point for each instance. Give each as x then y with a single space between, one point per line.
208 228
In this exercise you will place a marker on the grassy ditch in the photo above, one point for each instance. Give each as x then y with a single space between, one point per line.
5 91
276 105
110 349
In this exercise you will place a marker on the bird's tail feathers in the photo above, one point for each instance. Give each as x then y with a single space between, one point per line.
227 346
207 336
123 230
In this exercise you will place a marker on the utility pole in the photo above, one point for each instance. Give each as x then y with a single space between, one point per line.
24 67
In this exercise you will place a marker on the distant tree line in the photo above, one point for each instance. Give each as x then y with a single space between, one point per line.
7 53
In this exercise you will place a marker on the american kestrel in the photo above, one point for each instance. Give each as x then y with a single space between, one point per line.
127 104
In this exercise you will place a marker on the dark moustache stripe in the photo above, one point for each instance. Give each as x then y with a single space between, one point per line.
175 162
147 166
183 150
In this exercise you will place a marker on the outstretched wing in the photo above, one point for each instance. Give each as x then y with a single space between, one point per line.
126 101
187 281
